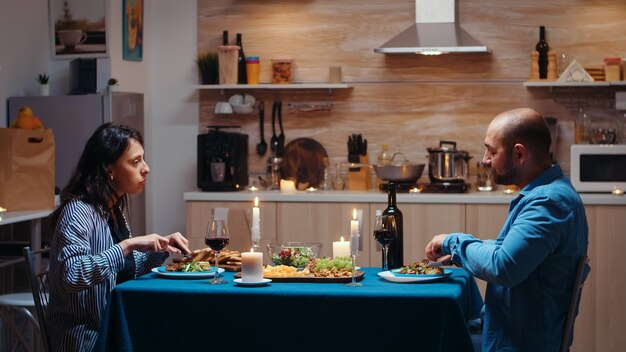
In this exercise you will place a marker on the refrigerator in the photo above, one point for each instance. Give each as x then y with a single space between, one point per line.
73 119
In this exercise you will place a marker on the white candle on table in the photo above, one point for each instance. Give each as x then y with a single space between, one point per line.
256 221
341 248
354 232
251 266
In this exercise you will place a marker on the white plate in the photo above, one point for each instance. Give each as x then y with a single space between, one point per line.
390 276
258 283
160 271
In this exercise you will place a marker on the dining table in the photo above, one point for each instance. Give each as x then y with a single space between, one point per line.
160 313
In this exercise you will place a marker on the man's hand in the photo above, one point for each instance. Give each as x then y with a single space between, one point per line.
434 250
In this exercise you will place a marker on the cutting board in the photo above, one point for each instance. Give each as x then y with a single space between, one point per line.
304 160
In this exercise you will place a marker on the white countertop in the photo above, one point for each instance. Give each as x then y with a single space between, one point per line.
495 197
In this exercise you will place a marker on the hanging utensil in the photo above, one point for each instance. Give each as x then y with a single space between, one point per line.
261 147
280 150
274 139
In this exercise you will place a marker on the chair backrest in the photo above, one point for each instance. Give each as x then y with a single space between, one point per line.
579 282
39 285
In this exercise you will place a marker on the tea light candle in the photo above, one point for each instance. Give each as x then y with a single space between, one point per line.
251 266
341 248
287 186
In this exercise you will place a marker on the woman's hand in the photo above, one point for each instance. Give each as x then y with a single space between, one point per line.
147 243
178 243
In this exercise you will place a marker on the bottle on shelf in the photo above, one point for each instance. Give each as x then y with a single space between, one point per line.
242 71
225 38
395 258
582 128
385 157
542 48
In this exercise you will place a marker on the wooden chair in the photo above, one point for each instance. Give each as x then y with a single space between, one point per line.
39 285
579 281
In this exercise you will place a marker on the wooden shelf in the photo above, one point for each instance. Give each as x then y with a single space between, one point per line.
269 86
555 84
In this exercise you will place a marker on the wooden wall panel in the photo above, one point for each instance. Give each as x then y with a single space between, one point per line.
411 101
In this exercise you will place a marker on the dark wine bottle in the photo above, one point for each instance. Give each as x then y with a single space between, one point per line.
395 258
225 38
242 72
542 48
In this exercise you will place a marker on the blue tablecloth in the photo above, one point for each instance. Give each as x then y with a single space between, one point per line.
156 314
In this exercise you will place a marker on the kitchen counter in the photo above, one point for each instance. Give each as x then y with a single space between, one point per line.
495 197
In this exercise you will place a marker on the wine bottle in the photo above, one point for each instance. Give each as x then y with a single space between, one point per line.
225 38
242 72
395 258
542 48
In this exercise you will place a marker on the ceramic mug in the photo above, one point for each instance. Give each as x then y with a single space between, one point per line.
223 107
71 37
218 171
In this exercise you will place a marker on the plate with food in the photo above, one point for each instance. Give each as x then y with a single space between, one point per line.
188 270
321 270
416 272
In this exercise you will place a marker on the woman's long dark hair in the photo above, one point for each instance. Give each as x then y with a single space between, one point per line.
90 181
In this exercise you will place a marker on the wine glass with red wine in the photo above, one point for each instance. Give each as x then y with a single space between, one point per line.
385 232
217 238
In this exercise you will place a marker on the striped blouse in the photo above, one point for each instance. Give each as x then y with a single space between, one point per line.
84 262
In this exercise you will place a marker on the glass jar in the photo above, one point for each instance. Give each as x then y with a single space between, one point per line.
282 71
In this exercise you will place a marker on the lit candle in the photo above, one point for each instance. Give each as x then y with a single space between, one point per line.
354 224
256 221
251 266
354 233
341 248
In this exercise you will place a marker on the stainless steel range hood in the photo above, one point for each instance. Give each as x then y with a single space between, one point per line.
435 32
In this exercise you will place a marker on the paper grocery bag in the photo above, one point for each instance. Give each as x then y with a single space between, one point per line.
26 169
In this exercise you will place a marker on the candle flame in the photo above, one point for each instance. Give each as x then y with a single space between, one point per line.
251 250
354 214
256 201
341 238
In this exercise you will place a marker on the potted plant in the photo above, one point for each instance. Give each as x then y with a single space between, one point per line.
208 67
113 84
44 87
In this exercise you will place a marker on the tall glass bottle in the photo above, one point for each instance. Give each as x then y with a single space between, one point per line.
242 72
225 38
542 48
395 258
582 128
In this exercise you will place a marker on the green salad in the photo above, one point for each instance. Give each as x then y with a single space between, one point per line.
194 266
296 256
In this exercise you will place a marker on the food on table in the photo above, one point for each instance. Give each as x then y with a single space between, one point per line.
331 267
297 257
189 266
320 267
208 255
284 271
421 268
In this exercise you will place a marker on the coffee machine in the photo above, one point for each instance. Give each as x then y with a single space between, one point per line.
222 159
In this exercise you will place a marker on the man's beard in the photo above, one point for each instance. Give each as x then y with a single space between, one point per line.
509 177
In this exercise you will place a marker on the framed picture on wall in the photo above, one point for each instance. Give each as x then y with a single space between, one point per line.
132 33
78 28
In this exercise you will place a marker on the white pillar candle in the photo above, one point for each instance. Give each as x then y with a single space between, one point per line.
251 266
341 248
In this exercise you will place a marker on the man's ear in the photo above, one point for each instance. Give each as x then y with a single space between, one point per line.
520 153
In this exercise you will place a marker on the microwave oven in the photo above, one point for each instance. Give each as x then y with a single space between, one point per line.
598 167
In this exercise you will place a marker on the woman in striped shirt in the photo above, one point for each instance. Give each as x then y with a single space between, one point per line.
92 248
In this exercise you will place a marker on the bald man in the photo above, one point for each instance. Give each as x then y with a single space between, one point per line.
530 267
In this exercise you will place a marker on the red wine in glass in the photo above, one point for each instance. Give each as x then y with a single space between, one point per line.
216 243
386 236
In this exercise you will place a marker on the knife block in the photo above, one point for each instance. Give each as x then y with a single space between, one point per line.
360 180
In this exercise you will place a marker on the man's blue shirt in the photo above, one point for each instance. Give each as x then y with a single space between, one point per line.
530 267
